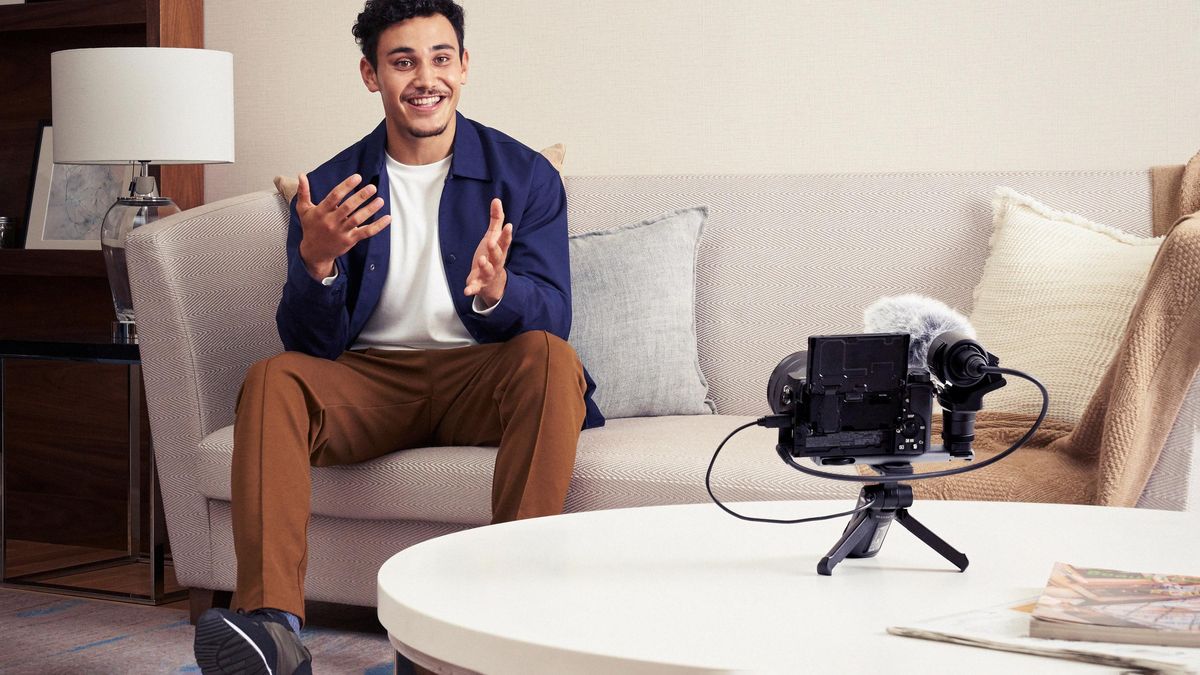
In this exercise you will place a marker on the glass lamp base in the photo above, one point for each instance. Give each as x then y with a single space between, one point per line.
142 207
124 332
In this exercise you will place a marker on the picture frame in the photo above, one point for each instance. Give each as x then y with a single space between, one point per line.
67 202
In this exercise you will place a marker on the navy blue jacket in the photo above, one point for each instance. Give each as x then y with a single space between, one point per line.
324 320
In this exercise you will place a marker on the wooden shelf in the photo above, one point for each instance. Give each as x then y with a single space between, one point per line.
64 295
55 14
47 263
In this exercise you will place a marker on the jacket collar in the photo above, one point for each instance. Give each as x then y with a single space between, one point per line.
468 162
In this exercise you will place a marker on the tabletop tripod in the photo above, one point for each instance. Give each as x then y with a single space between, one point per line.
889 500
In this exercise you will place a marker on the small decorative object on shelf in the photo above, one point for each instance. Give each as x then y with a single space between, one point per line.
140 105
8 232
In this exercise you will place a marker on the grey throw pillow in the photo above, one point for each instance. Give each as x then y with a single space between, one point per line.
634 327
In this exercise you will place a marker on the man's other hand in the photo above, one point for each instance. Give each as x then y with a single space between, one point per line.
336 224
488 277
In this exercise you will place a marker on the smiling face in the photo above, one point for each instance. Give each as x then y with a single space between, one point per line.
419 77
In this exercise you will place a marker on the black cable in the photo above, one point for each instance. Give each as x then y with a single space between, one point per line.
726 509
937 474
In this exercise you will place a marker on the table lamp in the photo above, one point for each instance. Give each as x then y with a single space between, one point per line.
140 105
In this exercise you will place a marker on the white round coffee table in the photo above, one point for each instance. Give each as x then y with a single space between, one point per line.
689 589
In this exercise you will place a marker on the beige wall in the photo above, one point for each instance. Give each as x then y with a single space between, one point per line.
775 86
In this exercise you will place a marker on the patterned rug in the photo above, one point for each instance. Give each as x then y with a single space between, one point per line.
44 633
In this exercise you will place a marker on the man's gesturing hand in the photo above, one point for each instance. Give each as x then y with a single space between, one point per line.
334 226
488 277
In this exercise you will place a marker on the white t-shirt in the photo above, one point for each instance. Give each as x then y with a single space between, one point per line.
415 310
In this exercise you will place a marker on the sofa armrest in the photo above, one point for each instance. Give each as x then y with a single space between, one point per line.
206 283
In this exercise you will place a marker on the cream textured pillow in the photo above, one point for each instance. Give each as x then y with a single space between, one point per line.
288 185
1055 295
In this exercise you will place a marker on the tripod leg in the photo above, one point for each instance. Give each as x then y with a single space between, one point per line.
935 542
860 528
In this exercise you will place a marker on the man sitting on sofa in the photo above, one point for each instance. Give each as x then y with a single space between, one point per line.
448 328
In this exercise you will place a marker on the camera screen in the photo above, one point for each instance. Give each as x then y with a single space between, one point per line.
857 391
869 363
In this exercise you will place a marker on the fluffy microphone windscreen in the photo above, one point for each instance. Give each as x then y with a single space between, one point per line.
923 318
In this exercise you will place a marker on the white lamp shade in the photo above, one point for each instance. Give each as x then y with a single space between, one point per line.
131 104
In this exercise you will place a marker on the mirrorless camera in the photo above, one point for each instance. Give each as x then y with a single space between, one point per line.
854 399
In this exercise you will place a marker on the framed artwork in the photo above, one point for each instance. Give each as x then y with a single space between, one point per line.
68 201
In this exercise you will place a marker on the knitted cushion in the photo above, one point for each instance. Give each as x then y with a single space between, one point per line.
1055 295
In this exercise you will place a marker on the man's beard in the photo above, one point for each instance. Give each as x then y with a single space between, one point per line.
422 133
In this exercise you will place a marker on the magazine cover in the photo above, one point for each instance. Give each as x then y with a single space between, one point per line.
1114 605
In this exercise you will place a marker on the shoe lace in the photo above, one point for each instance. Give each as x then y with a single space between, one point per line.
267 614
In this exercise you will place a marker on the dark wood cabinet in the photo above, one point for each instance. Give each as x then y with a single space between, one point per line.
64 450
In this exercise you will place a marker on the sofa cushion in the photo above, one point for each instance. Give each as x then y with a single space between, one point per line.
628 462
634 315
1056 293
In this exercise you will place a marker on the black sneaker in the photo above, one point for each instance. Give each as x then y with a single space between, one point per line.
256 643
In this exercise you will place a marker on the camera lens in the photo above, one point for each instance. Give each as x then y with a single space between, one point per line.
779 395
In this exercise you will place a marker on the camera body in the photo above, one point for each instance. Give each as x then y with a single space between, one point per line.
854 399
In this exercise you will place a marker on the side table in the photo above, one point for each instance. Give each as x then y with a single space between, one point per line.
114 353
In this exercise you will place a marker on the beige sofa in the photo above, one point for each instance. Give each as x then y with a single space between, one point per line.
782 257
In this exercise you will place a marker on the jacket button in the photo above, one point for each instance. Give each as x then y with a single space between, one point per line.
371 267
451 257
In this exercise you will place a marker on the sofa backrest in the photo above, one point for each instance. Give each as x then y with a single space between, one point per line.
782 257
788 256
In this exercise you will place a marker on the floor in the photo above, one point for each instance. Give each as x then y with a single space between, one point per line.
43 632
25 557
344 638
29 557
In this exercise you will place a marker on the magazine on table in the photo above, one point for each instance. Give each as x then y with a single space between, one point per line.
1088 603
1007 627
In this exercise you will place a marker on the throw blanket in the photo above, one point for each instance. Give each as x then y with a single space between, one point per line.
1176 193
1107 458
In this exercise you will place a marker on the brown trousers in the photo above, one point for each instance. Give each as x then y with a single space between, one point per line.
295 410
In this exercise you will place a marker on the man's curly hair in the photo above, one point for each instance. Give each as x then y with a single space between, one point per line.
378 15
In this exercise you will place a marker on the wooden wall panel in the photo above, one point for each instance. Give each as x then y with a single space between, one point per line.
175 23
178 23
183 183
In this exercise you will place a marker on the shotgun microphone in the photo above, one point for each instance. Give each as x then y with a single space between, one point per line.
921 317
